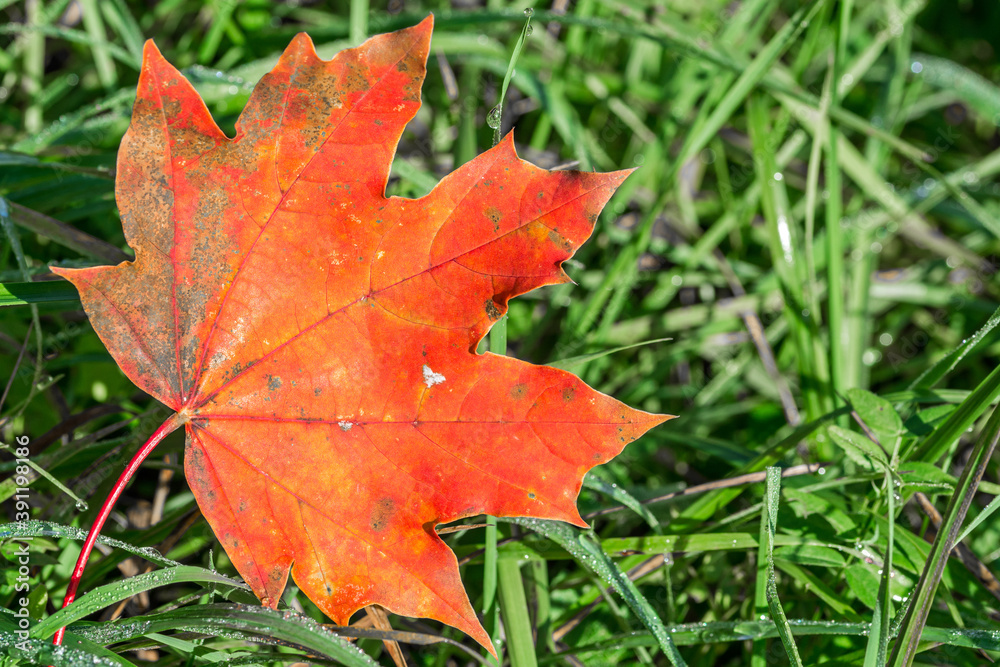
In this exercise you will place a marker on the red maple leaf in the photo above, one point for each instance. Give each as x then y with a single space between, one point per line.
317 340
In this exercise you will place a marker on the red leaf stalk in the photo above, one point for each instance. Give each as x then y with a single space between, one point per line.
165 429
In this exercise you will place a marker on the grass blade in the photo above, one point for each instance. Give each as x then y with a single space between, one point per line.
946 364
588 552
922 598
257 623
960 420
769 525
23 294
514 611
106 595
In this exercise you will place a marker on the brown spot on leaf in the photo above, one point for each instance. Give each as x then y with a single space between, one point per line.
273 382
494 214
560 241
518 391
382 513
568 394
492 311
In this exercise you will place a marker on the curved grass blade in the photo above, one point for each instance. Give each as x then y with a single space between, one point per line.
48 529
719 632
946 364
982 516
239 622
106 595
74 653
769 526
573 362
614 491
976 91
960 420
587 551
190 619
922 598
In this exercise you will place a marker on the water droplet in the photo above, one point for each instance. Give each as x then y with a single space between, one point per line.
529 12
493 117
528 29
82 506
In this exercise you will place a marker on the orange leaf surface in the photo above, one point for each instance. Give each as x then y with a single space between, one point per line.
318 339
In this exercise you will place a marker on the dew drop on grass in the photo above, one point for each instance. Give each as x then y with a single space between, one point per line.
529 12
82 506
493 117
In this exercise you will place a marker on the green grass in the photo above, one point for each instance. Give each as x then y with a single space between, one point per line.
803 268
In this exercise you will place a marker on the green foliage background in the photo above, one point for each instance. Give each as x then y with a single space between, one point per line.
814 226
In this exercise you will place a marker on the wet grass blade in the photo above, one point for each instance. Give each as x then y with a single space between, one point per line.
587 551
946 364
922 598
252 622
968 411
106 595
769 523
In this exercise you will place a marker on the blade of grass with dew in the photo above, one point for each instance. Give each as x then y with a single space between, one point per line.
769 521
75 653
959 421
719 632
986 513
943 366
259 622
586 550
595 483
979 93
878 639
108 594
201 619
758 651
33 528
921 599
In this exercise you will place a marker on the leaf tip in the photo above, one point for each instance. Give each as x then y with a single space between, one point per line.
302 42
151 55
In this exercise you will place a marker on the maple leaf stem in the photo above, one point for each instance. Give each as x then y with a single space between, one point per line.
165 429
